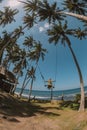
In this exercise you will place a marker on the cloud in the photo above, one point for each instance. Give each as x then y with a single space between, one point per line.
41 29
13 3
44 27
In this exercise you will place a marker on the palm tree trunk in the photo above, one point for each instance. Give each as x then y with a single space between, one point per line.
23 85
31 89
1 56
51 93
13 90
82 102
32 81
82 17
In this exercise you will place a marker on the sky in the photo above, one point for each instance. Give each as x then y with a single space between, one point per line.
58 61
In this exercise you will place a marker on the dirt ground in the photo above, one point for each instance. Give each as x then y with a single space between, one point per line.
20 115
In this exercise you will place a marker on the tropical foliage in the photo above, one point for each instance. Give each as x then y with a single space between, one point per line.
26 58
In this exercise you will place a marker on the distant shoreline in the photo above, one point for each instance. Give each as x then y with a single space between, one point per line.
57 95
65 97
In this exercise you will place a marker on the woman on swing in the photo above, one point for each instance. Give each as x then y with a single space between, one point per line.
50 83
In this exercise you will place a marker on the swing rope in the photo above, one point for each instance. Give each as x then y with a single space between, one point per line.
55 67
41 74
55 70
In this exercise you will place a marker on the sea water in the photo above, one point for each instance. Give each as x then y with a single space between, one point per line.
67 94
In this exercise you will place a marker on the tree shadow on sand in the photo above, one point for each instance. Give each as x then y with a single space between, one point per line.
11 106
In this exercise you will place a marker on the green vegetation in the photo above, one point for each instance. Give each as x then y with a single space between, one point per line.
52 115
26 58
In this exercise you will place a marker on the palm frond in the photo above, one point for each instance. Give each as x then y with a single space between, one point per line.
7 16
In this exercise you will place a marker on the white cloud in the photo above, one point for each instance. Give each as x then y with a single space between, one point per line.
41 29
46 25
13 3
35 25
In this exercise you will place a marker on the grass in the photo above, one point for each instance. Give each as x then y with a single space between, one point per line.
60 114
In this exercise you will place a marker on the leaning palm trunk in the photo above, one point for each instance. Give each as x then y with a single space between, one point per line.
81 17
51 93
23 85
14 89
31 89
82 102
1 58
32 81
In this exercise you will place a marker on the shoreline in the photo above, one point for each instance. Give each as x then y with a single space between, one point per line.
65 97
57 95
20 114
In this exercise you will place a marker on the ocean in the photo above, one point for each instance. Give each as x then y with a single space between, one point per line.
67 94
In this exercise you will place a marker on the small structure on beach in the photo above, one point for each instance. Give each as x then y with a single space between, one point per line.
7 80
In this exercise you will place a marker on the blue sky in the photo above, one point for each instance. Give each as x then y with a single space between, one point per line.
65 71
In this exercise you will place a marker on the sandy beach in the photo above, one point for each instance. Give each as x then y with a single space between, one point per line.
19 114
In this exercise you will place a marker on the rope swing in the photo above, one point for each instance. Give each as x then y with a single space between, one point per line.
49 82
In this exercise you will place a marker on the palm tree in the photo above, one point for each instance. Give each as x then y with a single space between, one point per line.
75 8
12 55
50 86
7 16
9 39
37 52
21 64
80 34
5 37
79 16
47 11
60 33
35 55
24 84
29 42
54 14
31 74
29 20
41 10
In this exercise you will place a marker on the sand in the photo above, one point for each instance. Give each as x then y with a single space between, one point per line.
21 115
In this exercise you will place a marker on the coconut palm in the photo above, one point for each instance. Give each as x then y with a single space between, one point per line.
80 34
29 42
37 52
9 39
20 65
7 16
61 32
47 11
31 74
30 6
24 84
29 20
35 55
50 86
43 10
21 62
75 8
